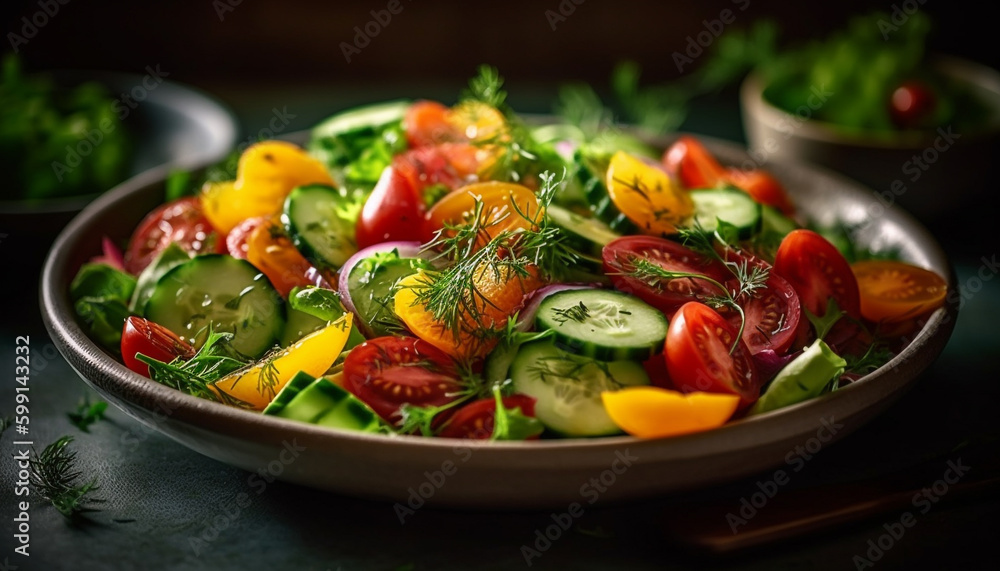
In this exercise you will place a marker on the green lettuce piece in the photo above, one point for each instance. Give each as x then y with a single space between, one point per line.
804 378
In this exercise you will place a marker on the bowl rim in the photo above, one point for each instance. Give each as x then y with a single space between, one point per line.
755 106
89 361
223 123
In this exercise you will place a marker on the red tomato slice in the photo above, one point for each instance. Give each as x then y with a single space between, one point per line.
388 372
772 313
152 340
393 211
762 187
426 123
451 164
236 240
690 161
182 222
698 359
667 295
817 271
475 420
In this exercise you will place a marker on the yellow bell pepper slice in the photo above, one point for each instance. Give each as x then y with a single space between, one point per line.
653 412
258 384
647 195
266 173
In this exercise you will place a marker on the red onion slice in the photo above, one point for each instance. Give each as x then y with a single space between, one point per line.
405 250
526 318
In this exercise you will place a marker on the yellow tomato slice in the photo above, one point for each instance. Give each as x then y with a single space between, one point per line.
896 291
653 412
646 195
266 173
478 122
258 384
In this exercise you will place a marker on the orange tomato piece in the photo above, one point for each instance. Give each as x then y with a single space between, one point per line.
654 412
893 292
506 206
271 251
499 295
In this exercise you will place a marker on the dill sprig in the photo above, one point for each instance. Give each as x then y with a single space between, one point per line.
453 296
874 357
87 413
215 360
54 476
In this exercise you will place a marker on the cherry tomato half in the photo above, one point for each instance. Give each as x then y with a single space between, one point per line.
393 211
698 358
912 105
666 295
451 165
388 372
817 271
152 340
427 123
762 187
476 419
772 313
894 292
693 164
236 240
182 222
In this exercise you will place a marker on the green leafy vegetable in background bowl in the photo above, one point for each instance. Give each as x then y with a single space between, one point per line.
57 142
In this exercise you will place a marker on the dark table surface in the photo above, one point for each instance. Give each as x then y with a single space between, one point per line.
166 507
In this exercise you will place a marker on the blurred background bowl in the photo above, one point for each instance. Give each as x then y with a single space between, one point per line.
174 124
888 165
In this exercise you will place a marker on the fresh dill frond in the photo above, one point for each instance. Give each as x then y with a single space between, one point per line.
578 313
54 475
87 413
215 360
874 357
487 87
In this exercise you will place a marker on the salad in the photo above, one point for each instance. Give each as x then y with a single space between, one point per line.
453 272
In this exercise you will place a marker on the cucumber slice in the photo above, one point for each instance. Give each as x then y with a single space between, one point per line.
732 206
293 387
603 324
311 217
567 387
223 293
586 235
298 324
771 220
320 402
363 121
372 287
590 175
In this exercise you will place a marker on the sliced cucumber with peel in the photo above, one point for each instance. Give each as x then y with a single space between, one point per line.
603 324
586 235
223 293
312 216
567 388
320 402
731 206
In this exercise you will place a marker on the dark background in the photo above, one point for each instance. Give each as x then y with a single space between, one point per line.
266 55
258 44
